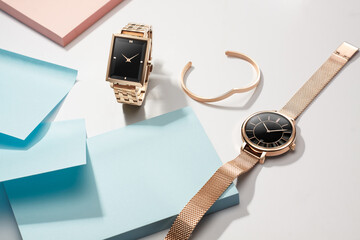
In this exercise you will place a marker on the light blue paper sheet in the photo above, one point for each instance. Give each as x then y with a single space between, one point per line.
137 180
50 147
29 90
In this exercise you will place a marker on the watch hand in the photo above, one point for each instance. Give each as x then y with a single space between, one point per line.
278 130
127 59
133 56
267 130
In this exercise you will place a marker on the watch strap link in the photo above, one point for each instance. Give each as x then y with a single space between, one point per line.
306 94
196 208
137 29
131 94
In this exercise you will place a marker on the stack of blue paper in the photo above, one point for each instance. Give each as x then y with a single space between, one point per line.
30 89
136 179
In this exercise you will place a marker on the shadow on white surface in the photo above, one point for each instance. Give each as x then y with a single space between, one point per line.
161 90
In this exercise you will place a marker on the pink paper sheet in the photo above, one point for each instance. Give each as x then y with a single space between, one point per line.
61 21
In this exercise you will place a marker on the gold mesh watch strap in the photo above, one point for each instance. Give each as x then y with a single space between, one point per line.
130 94
306 94
196 208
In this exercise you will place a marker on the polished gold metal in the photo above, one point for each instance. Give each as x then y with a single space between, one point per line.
232 91
306 94
128 92
192 213
250 153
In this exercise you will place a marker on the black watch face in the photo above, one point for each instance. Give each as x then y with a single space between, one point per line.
127 59
268 130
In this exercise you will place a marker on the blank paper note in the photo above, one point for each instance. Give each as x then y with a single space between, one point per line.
61 21
136 180
29 90
50 147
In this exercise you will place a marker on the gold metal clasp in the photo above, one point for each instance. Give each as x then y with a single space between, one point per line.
346 51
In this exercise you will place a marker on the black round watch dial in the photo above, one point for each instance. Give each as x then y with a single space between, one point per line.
268 130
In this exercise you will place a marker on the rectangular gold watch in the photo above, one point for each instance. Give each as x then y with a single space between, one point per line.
129 63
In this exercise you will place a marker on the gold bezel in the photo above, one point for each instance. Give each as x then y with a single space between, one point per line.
269 151
146 61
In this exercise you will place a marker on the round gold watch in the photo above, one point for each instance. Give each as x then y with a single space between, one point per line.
129 63
265 134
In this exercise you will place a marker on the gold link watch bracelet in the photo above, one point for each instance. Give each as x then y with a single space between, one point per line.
266 133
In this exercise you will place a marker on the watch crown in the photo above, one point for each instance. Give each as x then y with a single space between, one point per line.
262 158
150 65
292 146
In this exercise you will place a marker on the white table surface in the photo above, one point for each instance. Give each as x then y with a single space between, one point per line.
311 193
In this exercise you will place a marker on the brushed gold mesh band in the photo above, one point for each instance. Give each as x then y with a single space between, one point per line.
306 94
130 94
196 208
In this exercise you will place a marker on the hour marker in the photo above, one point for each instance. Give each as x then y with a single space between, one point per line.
251 138
287 132
249 130
141 61
284 125
252 123
259 141
124 77
131 41
114 57
278 120
259 118
267 145
276 144
268 118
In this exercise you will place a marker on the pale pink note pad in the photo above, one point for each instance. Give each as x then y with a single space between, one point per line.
60 20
